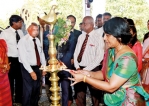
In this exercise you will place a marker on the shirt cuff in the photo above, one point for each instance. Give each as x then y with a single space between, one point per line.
30 71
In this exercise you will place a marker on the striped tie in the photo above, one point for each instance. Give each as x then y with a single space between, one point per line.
37 53
82 49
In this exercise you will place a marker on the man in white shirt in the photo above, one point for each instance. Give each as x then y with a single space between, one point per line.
89 60
12 35
31 56
105 17
98 21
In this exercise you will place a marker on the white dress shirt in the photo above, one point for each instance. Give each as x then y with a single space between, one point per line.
9 36
83 32
145 46
27 55
93 53
100 31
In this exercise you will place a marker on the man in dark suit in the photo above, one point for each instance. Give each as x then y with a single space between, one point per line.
65 53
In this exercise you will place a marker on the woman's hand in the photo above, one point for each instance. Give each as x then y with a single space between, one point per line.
78 77
69 70
84 72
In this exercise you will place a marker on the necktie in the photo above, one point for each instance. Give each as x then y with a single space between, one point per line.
37 53
71 34
17 36
82 49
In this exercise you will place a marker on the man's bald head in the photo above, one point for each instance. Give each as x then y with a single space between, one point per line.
33 30
89 19
88 24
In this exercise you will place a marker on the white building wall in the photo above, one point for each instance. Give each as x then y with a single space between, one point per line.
98 7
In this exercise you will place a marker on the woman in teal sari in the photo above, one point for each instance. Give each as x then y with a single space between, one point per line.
119 75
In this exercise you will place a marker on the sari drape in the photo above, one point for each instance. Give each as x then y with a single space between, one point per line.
131 93
5 93
145 69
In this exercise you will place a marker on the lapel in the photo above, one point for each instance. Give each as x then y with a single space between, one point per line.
71 36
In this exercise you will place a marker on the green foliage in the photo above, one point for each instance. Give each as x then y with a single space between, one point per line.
135 9
61 31
65 7
4 23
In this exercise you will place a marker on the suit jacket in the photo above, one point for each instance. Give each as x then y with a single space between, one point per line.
68 49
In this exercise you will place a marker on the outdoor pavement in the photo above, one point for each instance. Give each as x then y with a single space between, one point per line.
45 102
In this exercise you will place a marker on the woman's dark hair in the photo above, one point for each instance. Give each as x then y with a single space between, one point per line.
130 21
146 36
125 18
118 28
14 18
133 28
134 38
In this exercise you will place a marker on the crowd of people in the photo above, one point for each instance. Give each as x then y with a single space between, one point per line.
104 56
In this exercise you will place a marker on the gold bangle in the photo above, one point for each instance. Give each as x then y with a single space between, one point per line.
84 78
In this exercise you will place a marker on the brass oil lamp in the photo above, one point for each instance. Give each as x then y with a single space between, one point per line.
54 65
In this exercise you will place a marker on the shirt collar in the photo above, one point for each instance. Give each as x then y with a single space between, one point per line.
72 30
12 29
30 37
91 33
